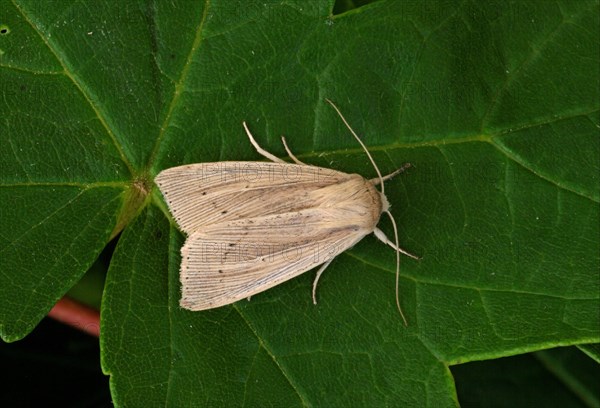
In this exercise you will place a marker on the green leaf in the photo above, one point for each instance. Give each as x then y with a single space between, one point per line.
495 105
64 177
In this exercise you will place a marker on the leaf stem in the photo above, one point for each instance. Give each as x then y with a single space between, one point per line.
76 315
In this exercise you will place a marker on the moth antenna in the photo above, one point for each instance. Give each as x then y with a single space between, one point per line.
361 143
386 211
397 267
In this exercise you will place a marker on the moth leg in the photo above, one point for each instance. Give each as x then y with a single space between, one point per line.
259 149
289 152
405 166
381 236
319 273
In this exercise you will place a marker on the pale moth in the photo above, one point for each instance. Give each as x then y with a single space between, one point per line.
253 225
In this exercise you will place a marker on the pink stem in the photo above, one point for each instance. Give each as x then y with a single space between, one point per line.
77 315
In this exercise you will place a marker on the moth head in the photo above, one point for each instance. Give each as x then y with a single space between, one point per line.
385 204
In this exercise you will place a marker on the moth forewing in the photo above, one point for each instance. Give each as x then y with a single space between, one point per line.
227 262
209 193
254 225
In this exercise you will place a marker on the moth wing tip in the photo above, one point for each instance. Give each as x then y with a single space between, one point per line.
188 304
195 305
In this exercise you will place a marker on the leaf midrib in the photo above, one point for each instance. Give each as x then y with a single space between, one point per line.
179 86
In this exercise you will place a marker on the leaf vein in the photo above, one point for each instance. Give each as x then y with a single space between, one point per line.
180 84
273 357
79 84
